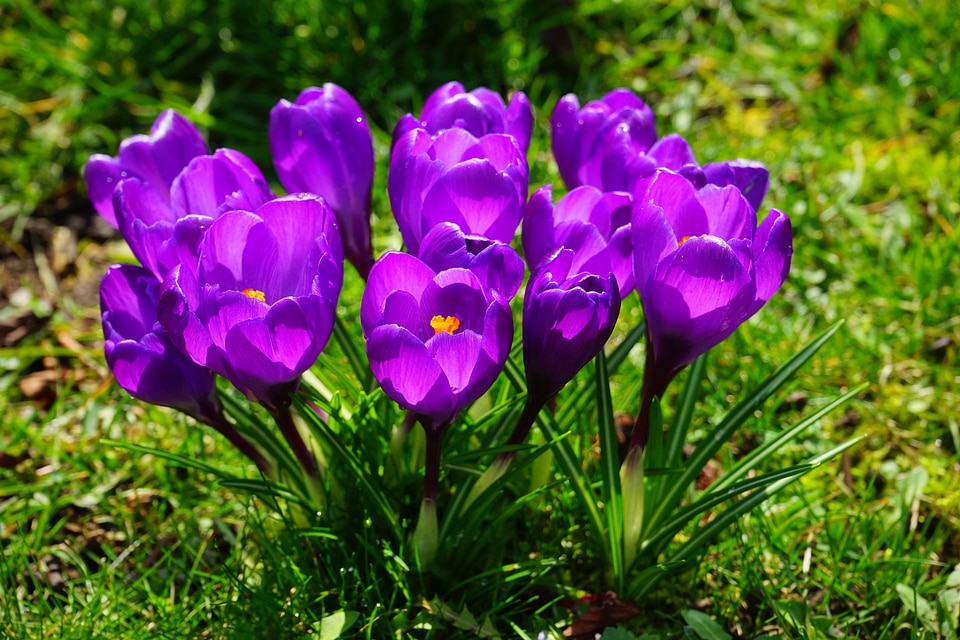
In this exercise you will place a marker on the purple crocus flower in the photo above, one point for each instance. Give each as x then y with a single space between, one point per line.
322 144
584 140
702 266
480 112
156 159
479 184
139 352
208 186
436 341
258 305
567 318
593 224
496 265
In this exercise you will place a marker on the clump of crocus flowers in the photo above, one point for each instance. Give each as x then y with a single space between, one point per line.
240 283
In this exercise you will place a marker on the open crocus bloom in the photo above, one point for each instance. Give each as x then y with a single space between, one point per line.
258 305
593 224
156 159
435 341
322 144
480 112
702 266
208 186
567 318
496 265
479 184
140 353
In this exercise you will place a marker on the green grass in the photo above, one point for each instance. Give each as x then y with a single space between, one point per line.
851 105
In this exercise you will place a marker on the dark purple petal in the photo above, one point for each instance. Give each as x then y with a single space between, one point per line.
567 317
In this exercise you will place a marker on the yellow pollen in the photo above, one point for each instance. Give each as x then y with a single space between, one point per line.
448 324
685 238
253 293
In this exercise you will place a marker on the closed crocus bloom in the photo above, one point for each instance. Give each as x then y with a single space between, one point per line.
258 307
589 142
496 265
480 112
593 224
749 176
156 159
140 353
567 318
207 187
479 184
702 266
436 341
322 144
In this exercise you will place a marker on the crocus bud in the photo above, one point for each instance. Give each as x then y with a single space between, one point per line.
479 184
155 159
702 266
593 224
322 144
258 307
480 112
567 318
140 353
436 341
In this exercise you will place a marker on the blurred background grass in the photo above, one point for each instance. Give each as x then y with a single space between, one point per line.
854 106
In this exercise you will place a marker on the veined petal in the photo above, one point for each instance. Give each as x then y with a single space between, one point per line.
408 374
485 200
730 216
392 271
457 356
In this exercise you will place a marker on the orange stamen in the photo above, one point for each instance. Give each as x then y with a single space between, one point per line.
255 294
448 324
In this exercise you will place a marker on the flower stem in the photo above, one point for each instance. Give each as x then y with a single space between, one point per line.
499 466
427 531
431 471
247 448
284 419
655 382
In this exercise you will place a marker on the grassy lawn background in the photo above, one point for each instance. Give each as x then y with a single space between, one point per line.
855 109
